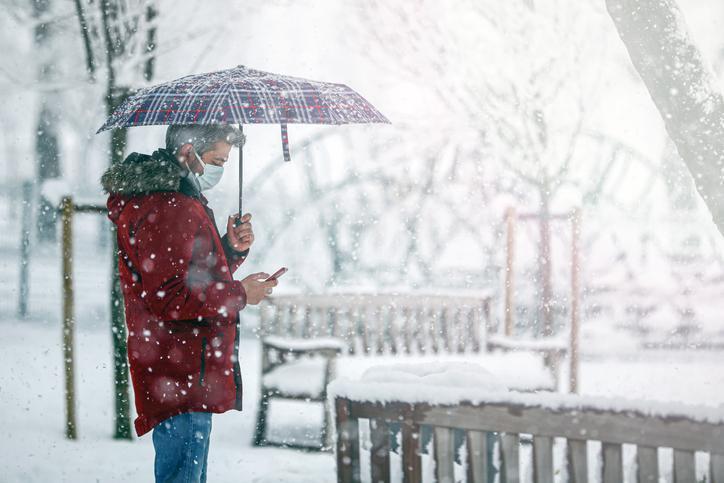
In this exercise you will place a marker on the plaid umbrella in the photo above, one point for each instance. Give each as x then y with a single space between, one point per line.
244 96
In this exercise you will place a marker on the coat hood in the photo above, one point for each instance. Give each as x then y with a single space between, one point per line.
141 174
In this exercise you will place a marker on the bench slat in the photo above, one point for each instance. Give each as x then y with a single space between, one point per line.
411 461
542 459
309 328
421 328
716 467
476 320
684 467
647 460
379 325
612 463
510 464
380 451
407 329
477 456
434 330
444 468
444 331
577 456
392 332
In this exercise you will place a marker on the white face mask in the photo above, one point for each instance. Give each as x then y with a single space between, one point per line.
211 176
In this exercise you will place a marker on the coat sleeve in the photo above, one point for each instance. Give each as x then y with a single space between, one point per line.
174 253
234 258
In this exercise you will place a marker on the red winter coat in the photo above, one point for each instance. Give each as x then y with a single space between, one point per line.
182 304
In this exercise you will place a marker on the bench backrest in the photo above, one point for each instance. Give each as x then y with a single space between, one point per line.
382 323
555 416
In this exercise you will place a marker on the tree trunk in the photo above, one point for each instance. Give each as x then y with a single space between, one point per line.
47 152
682 88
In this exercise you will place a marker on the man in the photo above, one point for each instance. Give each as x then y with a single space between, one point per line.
182 303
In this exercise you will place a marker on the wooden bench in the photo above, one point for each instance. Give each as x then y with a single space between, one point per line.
499 433
364 325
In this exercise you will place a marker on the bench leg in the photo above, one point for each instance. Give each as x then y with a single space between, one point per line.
261 414
326 438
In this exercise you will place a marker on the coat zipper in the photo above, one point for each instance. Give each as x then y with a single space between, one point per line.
203 361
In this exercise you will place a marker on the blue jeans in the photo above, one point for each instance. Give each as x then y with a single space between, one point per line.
182 448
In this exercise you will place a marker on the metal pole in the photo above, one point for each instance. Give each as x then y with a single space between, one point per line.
575 294
27 210
68 317
241 170
509 281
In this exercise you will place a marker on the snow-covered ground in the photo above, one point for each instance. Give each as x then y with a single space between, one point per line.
34 448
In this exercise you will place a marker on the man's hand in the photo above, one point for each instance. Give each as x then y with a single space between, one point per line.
239 237
256 288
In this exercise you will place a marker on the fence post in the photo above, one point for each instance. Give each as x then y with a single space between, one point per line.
27 214
68 316
120 350
575 294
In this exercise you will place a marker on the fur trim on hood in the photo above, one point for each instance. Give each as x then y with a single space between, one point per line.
141 173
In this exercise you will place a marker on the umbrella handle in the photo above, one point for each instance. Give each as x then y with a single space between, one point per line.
241 175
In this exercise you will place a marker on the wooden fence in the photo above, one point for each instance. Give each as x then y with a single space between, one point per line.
518 418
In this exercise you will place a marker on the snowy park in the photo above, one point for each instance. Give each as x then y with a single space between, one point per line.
345 241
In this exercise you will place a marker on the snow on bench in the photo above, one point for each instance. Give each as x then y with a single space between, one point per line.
464 398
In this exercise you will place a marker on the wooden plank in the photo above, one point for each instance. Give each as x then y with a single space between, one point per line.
433 327
348 463
543 459
379 324
684 467
353 331
462 330
444 330
612 463
577 459
630 427
276 326
477 456
292 326
264 319
411 461
407 329
716 468
393 335
420 328
509 459
380 451
444 467
647 460
475 317
308 329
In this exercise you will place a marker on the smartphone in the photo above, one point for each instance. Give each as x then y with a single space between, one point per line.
277 274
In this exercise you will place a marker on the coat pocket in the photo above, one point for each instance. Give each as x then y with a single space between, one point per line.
203 361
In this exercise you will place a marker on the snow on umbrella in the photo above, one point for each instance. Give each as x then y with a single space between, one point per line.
244 96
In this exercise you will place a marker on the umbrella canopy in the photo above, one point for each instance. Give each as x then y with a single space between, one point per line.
244 96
